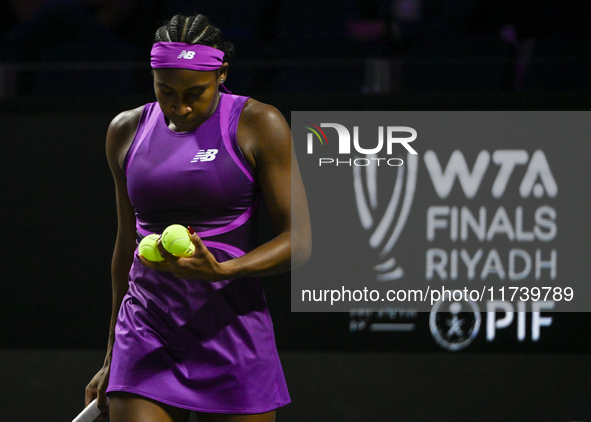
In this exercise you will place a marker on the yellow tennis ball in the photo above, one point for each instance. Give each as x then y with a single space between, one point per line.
148 248
176 240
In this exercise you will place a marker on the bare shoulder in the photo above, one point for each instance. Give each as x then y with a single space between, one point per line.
262 127
125 122
120 134
260 116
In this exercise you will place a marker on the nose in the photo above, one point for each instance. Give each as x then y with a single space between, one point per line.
181 109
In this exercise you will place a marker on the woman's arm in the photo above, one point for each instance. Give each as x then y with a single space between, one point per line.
119 137
265 139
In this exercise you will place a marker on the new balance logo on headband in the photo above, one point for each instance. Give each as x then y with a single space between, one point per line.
186 55
204 155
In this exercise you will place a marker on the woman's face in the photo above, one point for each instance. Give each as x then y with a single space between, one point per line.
187 97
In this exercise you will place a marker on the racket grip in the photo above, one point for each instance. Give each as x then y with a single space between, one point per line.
89 413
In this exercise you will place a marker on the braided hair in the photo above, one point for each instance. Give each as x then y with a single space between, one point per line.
194 30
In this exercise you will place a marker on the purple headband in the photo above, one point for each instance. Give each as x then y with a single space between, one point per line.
186 56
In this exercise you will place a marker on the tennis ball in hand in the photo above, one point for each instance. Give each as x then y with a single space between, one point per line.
148 248
176 240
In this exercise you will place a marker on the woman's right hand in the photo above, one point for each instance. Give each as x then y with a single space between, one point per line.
97 388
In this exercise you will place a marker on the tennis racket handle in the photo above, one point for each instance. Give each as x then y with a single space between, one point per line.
89 413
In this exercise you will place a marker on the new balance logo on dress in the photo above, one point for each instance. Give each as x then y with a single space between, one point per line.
204 155
186 55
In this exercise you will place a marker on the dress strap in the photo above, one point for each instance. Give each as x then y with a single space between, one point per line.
225 112
148 119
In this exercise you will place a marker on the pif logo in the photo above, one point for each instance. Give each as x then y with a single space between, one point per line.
384 135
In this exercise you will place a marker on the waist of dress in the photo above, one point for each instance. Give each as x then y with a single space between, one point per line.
213 228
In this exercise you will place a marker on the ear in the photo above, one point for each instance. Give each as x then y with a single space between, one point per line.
223 73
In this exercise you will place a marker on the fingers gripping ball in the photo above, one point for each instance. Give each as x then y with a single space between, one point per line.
177 241
148 248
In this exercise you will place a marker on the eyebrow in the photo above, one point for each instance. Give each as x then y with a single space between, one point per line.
193 88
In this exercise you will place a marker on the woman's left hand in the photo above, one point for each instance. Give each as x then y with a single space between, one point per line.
202 265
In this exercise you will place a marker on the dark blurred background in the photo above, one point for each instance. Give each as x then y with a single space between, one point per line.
67 67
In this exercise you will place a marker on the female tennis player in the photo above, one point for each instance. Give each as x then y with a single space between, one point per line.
195 334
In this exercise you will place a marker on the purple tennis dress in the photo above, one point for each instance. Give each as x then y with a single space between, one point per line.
202 346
